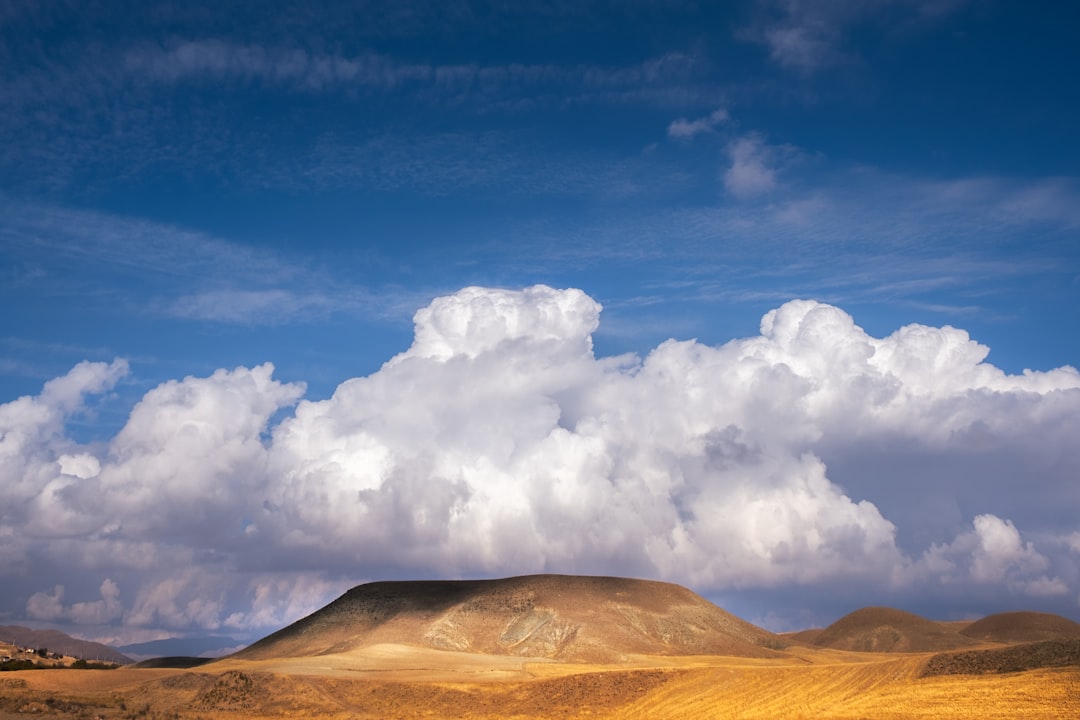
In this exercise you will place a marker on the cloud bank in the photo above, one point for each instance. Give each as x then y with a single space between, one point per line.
498 443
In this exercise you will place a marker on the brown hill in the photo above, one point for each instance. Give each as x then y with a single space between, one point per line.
1012 659
61 643
879 629
1022 627
803 637
595 619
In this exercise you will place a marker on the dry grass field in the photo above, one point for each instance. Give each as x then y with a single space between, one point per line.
405 682
558 647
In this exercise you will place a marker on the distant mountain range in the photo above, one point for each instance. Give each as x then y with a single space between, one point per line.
212 646
882 629
61 643
64 644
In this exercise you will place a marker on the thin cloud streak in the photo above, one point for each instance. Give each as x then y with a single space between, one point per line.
239 283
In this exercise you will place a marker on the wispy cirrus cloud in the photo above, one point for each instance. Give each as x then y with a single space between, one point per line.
676 76
807 36
214 59
685 129
754 167
119 114
283 306
81 238
178 272
855 235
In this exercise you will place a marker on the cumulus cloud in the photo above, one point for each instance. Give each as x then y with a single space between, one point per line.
191 453
31 429
50 606
499 443
994 553
46 606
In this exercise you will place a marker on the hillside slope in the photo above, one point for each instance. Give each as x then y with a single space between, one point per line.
1022 627
880 629
594 619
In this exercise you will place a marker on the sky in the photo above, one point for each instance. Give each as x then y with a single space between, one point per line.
772 299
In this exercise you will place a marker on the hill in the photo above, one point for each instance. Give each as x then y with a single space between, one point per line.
61 643
562 617
803 637
880 629
1022 627
1012 659
211 646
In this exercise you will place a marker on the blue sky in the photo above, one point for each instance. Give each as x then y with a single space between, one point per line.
195 187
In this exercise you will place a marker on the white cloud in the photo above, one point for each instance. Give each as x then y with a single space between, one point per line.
187 598
994 553
660 79
191 452
498 443
1073 542
684 129
1045 587
477 320
195 276
277 600
81 465
101 611
66 394
753 167
271 306
217 58
804 47
45 606
808 36
31 428
1000 549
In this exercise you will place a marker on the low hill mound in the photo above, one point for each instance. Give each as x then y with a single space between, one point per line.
803 637
1017 658
1022 627
880 629
563 617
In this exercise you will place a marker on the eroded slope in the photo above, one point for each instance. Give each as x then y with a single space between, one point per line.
563 617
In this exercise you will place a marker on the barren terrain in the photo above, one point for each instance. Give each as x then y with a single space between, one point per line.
394 667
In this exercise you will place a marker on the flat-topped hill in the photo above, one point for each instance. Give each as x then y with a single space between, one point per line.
563 617
880 629
1022 627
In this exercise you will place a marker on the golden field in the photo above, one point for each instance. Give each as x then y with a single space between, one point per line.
392 681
